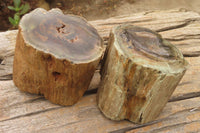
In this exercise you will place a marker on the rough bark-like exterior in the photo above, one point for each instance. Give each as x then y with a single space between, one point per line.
140 73
59 71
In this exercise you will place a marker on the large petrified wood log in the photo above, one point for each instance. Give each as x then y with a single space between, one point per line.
140 72
56 55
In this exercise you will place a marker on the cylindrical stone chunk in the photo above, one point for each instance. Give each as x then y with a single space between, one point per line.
56 55
140 72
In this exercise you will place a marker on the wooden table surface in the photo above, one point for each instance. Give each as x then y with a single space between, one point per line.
23 112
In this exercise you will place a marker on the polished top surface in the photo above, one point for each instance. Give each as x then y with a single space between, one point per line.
65 36
143 41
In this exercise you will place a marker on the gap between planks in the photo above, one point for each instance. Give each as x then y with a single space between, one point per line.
86 117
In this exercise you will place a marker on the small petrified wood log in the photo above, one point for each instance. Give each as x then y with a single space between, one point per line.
140 72
56 55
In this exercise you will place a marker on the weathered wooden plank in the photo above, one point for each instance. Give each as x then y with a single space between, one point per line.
26 106
179 27
155 20
85 117
7 45
189 31
189 47
185 38
16 104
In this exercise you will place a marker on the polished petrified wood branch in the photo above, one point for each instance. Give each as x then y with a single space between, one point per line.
140 72
56 55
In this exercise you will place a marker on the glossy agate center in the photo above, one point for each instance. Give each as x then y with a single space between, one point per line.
65 36
145 42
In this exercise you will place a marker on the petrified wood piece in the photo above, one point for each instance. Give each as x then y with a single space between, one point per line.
56 55
140 72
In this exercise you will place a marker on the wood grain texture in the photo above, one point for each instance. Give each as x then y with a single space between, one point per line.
23 112
176 118
183 24
7 40
56 56
186 120
29 113
19 106
140 73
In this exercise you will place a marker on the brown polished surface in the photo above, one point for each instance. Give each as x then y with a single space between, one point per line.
65 36
144 42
